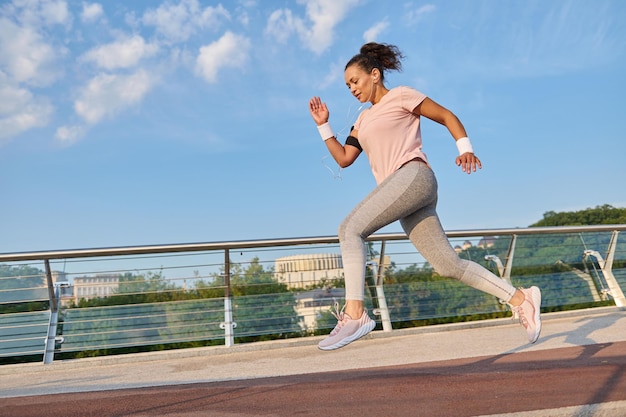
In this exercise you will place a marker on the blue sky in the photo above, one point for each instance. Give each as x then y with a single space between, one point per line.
145 122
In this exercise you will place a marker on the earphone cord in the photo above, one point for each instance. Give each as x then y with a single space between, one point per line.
342 132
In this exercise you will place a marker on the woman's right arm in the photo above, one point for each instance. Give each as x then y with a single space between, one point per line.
343 155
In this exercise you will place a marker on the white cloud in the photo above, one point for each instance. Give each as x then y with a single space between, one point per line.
91 12
107 94
282 24
125 53
28 58
374 32
39 12
541 39
416 15
229 51
243 17
317 31
325 15
69 134
25 56
335 73
55 13
177 22
20 110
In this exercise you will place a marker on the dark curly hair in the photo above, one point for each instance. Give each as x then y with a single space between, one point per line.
378 55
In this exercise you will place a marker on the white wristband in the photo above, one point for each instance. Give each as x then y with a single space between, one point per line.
464 145
326 132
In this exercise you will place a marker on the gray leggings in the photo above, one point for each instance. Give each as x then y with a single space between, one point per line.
409 195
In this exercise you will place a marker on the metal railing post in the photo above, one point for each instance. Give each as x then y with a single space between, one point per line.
53 295
509 260
382 309
504 270
606 266
228 325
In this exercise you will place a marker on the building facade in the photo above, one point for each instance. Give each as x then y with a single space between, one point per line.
95 286
302 271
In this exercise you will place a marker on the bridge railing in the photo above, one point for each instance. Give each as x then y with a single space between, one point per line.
115 300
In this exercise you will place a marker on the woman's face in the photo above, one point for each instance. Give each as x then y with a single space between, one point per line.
360 83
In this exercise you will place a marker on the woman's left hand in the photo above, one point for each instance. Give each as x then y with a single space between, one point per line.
468 162
318 110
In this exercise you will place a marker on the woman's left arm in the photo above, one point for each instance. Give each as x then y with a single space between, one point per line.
433 111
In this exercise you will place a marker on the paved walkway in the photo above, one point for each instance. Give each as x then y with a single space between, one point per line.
577 368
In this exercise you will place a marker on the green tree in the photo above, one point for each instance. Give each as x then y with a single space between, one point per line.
263 308
605 214
22 288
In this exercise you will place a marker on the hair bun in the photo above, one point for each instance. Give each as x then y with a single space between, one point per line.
369 48
378 55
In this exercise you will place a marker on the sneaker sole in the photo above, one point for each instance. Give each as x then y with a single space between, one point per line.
363 330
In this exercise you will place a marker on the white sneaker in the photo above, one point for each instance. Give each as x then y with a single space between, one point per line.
347 329
529 312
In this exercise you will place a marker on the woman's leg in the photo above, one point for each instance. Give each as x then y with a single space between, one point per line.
385 204
402 193
425 232
427 235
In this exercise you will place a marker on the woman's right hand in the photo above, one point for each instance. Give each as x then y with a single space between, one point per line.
318 110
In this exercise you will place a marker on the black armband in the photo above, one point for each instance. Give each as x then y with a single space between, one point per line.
351 140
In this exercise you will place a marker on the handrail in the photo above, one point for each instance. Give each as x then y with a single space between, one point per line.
241 244
228 324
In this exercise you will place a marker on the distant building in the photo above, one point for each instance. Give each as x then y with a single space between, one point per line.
300 271
483 243
310 304
66 290
486 242
304 271
58 277
95 286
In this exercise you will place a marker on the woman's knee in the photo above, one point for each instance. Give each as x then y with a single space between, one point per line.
341 232
451 268
349 228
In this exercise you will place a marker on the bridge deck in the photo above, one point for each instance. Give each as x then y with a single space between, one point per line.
577 368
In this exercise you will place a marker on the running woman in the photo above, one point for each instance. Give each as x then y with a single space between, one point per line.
389 134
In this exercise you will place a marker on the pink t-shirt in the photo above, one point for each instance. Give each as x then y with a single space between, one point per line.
389 132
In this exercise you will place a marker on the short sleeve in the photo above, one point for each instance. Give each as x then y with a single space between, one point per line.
411 98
